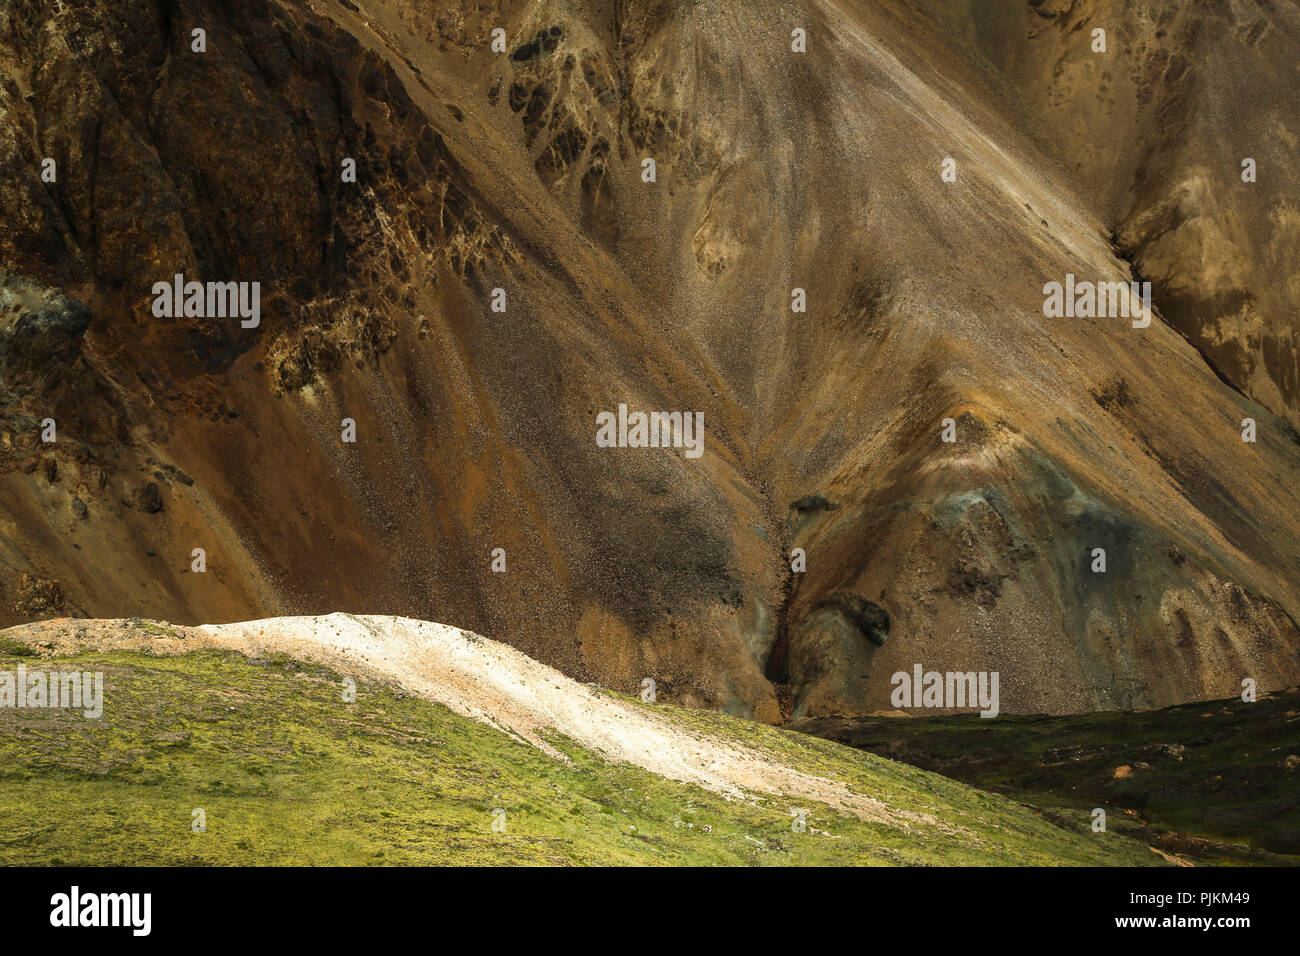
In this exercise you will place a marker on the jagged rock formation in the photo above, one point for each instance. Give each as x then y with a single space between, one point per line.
475 429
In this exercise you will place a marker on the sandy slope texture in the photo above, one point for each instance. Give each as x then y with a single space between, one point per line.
521 170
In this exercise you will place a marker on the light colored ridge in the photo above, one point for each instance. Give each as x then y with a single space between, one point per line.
500 686
495 684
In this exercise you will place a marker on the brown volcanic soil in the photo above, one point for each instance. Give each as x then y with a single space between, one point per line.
775 170
1154 134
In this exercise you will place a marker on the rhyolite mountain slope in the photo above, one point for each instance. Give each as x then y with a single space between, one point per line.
1155 134
475 430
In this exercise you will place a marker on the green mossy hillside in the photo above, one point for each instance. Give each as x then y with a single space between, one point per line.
287 772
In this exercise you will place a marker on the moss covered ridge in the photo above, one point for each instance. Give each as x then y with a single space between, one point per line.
363 740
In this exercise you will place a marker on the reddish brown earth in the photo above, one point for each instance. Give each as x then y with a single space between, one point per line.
776 170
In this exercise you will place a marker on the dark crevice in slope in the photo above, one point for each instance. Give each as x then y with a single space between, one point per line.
1160 303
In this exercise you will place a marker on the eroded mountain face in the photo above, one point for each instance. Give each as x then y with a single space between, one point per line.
1156 133
475 429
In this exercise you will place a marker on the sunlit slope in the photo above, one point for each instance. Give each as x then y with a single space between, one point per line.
285 770
523 171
